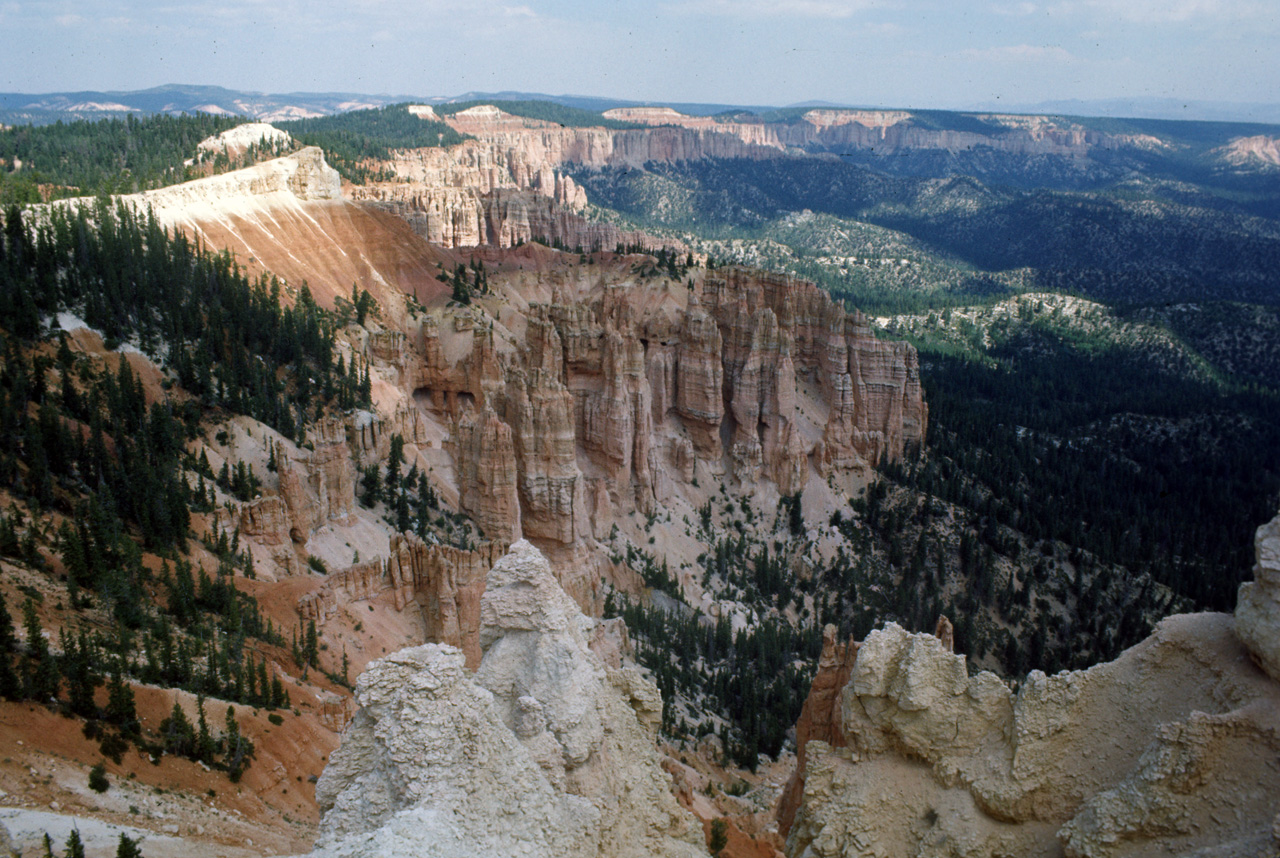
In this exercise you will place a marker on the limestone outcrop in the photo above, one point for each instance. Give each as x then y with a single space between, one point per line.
1258 603
512 182
820 718
287 217
485 453
544 751
319 486
442 582
776 328
892 131
607 395
236 142
1169 749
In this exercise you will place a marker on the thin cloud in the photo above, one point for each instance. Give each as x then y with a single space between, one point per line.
1177 11
821 9
1019 53
1019 10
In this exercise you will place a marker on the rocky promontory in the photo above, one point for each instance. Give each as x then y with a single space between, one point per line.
1169 749
544 751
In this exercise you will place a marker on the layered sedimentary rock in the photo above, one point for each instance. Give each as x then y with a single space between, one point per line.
319 486
511 183
1167 750
267 519
444 583
484 453
544 751
611 394
820 718
775 327
697 383
540 411
892 131
237 141
500 192
1258 603
287 217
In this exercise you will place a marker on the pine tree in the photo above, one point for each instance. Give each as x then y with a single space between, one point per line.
394 461
121 709
98 778
81 680
75 846
311 650
205 748
128 848
279 697
177 734
238 748
10 687
40 674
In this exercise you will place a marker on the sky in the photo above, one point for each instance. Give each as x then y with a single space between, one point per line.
901 53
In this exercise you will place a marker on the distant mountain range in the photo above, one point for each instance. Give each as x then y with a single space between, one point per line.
1149 108
44 108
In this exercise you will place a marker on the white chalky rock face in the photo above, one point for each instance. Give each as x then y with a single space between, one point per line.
543 752
1258 603
1167 750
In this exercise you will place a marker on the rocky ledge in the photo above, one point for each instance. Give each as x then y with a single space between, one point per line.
1171 749
544 751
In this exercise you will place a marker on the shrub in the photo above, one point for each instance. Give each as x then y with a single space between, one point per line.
98 778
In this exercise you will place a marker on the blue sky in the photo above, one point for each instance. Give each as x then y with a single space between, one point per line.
909 53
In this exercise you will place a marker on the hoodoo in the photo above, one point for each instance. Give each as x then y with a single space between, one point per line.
544 751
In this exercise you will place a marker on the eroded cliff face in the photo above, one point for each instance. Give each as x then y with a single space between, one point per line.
576 396
1169 749
890 131
499 191
821 718
1258 603
613 397
544 751
512 182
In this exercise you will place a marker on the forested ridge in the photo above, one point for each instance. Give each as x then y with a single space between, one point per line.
109 156
351 140
90 451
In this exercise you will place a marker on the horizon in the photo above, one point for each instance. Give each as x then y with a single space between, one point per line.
872 53
1261 113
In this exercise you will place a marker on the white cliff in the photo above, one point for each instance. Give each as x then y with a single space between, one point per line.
545 751
1258 603
1171 749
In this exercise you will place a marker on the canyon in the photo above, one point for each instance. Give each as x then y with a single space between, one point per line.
511 183
577 413
568 400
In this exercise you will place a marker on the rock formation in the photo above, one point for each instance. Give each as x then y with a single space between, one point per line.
320 485
544 751
605 397
236 142
1258 604
511 183
891 131
485 453
442 582
1169 749
820 718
